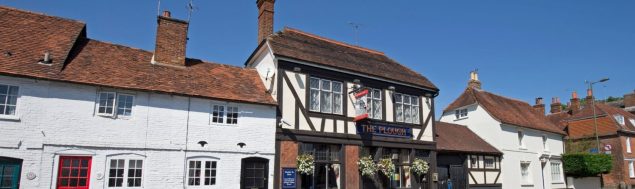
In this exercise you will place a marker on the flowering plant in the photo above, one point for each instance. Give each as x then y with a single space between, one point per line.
305 164
367 166
419 166
386 166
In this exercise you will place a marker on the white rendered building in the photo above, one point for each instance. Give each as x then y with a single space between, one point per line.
80 113
531 144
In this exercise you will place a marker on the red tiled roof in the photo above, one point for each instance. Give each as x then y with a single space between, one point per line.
459 138
296 44
582 124
25 36
559 119
506 110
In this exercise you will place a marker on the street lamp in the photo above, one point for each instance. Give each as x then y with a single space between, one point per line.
595 120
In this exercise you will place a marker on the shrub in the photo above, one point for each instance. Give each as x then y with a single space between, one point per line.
586 165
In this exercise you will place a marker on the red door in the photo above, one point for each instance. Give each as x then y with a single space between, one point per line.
74 172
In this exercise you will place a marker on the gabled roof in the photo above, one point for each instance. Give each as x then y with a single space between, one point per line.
25 36
506 110
559 119
296 44
602 110
459 138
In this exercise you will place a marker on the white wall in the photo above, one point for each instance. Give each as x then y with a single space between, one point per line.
56 117
505 138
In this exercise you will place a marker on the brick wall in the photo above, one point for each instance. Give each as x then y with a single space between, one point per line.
171 41
352 175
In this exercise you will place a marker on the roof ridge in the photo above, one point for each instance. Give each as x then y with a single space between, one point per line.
41 14
286 28
508 98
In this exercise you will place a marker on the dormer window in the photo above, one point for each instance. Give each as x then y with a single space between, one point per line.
460 113
619 119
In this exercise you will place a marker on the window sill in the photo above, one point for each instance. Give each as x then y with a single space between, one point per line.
558 182
223 125
527 185
10 117
522 148
459 119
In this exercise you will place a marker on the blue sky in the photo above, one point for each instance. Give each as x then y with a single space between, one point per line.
522 49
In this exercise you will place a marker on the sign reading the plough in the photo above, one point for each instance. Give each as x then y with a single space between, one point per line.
383 130
361 108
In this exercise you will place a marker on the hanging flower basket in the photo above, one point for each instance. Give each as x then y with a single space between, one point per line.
367 166
305 164
420 166
386 166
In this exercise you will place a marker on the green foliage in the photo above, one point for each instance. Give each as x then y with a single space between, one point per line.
586 164
611 99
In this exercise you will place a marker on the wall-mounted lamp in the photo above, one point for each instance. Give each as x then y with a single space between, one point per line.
356 81
242 144
202 143
392 88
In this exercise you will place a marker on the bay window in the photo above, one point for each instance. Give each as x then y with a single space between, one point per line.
407 108
8 99
325 96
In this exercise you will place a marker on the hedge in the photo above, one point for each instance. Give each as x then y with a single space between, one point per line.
586 164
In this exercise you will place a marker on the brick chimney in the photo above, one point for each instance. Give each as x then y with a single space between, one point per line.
629 99
540 105
589 97
474 82
556 106
265 18
171 41
575 103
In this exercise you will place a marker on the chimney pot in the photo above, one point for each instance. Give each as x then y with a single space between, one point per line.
474 82
167 14
556 107
539 101
589 92
574 95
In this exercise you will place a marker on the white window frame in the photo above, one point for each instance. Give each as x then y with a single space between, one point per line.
631 169
320 90
225 115
371 99
460 113
619 119
15 114
493 165
628 145
115 105
521 139
526 180
556 171
126 169
413 106
201 177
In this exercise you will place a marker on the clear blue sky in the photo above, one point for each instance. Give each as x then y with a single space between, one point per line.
522 48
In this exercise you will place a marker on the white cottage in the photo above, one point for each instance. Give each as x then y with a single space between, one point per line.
80 113
531 144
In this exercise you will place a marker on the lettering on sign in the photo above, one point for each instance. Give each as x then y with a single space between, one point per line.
383 130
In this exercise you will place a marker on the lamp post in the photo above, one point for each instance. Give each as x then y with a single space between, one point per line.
595 120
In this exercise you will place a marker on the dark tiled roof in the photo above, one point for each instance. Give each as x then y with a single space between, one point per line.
459 138
296 44
25 36
506 110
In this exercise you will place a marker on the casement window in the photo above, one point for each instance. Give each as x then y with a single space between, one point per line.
325 96
556 172
125 173
374 103
525 172
201 173
473 162
628 145
8 99
489 162
111 104
521 136
631 169
619 119
407 108
224 114
460 113
74 172
545 145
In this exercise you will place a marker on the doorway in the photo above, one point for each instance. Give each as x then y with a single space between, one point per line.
10 173
254 173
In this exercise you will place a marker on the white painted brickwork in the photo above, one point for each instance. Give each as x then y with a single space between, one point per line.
57 118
